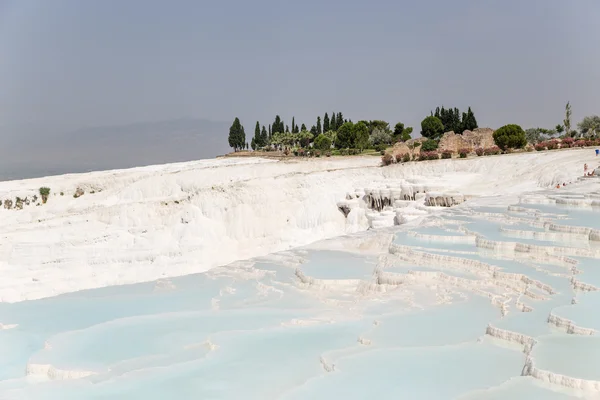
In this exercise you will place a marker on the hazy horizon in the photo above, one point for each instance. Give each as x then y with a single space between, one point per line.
68 66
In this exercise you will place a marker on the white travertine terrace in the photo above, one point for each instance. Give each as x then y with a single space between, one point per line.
569 326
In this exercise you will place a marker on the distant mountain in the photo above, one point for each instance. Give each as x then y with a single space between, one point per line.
111 147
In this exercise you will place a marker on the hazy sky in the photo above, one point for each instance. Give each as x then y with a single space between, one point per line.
72 64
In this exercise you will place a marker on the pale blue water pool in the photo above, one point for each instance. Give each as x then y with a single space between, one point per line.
260 333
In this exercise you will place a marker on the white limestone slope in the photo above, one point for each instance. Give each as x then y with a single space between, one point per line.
153 222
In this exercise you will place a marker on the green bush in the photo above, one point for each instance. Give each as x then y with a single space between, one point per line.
429 145
446 154
510 136
44 192
406 157
432 127
322 142
380 147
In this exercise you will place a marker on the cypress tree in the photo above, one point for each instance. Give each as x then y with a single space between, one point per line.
287 129
313 130
303 129
340 120
326 123
333 123
264 138
472 122
319 131
277 125
270 132
257 137
237 136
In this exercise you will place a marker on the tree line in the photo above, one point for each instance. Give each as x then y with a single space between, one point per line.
333 130
446 120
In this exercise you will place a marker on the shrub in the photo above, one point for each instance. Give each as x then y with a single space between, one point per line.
322 142
462 153
44 192
387 159
429 145
446 154
540 146
510 136
406 157
479 151
328 154
343 152
552 144
399 157
301 153
579 143
568 142
432 127
492 151
381 147
429 155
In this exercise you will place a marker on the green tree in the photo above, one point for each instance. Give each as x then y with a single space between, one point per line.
333 124
257 138
559 129
237 136
326 123
293 124
303 127
287 129
432 127
361 135
398 129
469 122
278 125
332 135
534 135
264 138
270 133
340 120
510 136
313 130
305 138
378 136
567 120
406 134
379 124
253 144
589 126
345 136
319 131
322 142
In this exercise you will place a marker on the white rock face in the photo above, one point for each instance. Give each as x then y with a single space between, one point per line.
162 221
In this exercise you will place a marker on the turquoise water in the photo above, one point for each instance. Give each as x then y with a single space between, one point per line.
263 334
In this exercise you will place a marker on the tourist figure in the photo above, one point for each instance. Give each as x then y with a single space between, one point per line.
585 168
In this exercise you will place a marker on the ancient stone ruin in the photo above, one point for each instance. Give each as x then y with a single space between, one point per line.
478 138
